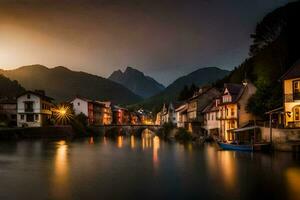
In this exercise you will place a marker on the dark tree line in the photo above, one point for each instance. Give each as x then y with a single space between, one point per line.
187 92
275 48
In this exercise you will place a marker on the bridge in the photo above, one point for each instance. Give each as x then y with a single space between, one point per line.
129 129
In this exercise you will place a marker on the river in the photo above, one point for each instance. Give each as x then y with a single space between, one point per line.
145 168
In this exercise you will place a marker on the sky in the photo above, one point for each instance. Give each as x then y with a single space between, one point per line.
163 38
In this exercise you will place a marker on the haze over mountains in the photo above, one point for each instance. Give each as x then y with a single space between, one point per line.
63 84
137 82
127 87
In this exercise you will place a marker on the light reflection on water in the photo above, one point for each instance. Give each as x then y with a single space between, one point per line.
60 177
137 166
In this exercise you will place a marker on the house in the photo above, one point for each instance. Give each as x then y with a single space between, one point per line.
8 112
232 108
168 114
196 105
211 122
158 119
181 115
97 112
120 115
34 109
145 116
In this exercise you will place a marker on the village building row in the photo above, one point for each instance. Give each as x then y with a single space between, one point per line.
224 115
214 113
36 109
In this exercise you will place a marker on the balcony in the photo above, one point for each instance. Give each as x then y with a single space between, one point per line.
28 109
291 97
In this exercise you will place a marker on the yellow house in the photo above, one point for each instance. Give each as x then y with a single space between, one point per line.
232 109
291 87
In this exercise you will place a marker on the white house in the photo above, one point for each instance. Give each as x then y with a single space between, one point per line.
33 109
168 114
97 112
80 105
211 118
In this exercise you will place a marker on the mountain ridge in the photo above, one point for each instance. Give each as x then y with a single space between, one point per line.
135 80
199 77
63 83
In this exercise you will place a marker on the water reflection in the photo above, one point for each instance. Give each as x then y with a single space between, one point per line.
293 182
147 139
61 169
120 141
132 142
156 145
228 169
91 140
142 165
222 166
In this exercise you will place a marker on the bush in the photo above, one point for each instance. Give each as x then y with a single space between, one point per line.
183 135
165 131
79 125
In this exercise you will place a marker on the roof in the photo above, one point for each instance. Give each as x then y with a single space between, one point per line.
293 72
246 129
235 90
211 107
39 94
182 108
203 90
82 98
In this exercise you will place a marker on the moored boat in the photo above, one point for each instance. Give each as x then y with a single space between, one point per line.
244 147
245 139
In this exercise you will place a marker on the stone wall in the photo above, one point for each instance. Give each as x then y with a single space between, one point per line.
283 139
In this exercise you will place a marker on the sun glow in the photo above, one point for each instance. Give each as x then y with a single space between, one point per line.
62 114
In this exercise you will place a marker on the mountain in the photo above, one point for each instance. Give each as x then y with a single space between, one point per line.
9 88
62 84
137 82
199 77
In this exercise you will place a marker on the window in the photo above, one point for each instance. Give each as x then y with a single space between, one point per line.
29 117
28 96
22 117
36 117
78 103
296 89
232 111
29 106
297 114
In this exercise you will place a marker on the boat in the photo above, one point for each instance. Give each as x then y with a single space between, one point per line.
245 139
244 147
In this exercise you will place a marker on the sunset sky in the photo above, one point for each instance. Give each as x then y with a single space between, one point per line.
163 38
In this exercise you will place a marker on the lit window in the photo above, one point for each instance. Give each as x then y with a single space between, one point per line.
296 90
297 113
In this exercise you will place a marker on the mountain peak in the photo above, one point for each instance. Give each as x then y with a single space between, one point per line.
137 82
